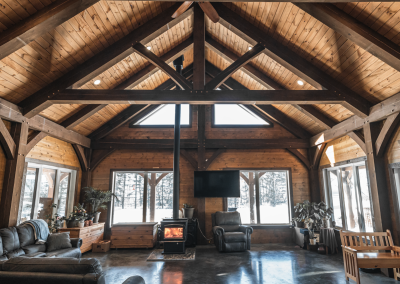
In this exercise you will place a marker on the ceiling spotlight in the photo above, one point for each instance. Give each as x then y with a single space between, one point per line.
250 48
97 82
148 48
301 83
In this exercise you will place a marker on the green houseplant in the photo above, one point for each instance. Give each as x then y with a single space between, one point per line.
54 222
97 199
312 213
188 210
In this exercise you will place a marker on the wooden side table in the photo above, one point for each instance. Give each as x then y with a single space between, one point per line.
89 235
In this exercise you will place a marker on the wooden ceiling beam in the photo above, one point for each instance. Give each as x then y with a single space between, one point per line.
291 60
7 142
157 61
282 143
239 63
12 112
84 96
40 23
355 31
272 1
310 111
199 31
105 59
34 139
378 112
129 83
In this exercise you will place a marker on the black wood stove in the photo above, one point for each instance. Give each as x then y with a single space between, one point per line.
174 234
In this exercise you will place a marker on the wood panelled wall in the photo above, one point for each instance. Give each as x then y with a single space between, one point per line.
53 150
340 150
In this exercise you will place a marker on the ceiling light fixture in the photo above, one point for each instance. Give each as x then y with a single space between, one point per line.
97 82
250 48
301 83
148 48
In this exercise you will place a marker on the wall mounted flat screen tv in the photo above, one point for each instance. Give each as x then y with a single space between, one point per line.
216 184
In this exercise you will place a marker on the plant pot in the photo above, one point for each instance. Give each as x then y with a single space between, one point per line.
188 212
81 224
299 224
96 217
72 224
327 223
313 241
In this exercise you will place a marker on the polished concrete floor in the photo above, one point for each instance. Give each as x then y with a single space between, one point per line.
269 263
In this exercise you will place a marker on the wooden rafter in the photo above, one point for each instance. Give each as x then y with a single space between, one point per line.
359 139
45 20
378 112
213 157
157 61
290 60
84 96
11 112
94 66
300 157
241 61
267 82
356 31
7 141
389 127
80 153
81 115
34 139
209 143
189 158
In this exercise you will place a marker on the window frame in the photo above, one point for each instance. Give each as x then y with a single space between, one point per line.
146 172
354 164
132 124
39 165
213 125
394 175
257 195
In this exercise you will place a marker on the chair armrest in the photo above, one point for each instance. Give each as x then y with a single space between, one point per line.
76 242
246 229
349 249
219 231
396 248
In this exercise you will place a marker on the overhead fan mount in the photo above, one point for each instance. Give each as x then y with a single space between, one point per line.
207 8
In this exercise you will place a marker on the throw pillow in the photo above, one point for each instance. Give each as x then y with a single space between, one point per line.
58 241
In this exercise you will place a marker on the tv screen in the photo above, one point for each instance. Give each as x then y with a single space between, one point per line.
216 184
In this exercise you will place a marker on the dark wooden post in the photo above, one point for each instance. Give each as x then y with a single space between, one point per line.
153 184
13 175
313 172
377 179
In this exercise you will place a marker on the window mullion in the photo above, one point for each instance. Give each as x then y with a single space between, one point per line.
146 181
342 201
359 196
257 184
56 190
36 193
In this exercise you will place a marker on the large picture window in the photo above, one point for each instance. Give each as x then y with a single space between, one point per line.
348 193
265 197
43 186
142 196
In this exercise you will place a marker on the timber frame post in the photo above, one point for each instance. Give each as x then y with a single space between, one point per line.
315 155
11 193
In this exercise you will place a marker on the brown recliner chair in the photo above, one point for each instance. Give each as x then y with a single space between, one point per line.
229 233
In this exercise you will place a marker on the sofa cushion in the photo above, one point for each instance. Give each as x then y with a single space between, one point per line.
53 265
34 248
69 252
227 218
58 241
26 235
15 253
10 239
1 246
234 237
230 228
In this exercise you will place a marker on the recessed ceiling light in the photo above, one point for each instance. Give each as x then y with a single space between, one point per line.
250 48
97 82
148 48
301 83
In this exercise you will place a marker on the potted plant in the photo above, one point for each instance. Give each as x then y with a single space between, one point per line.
298 222
188 210
54 222
97 199
79 214
313 213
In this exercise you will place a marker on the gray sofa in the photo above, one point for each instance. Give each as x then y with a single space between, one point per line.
229 233
20 241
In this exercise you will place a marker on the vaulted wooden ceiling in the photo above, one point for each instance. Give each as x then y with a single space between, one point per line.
48 57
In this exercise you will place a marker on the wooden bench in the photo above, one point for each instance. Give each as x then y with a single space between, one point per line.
365 250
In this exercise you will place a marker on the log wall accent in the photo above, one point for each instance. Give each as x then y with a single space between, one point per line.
246 159
341 149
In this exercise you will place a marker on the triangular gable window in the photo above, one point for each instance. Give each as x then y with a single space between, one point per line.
235 115
164 116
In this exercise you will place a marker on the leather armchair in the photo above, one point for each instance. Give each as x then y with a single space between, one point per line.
229 233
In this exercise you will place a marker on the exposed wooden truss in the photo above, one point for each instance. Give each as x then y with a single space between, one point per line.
34 139
300 157
6 141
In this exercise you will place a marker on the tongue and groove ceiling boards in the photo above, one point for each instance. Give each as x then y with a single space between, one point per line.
93 41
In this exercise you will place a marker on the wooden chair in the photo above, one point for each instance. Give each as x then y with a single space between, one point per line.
363 250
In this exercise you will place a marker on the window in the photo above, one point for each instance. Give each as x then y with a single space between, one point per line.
234 115
348 193
269 189
164 116
135 190
43 186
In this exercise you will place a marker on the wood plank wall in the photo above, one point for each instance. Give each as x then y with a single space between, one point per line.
341 149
